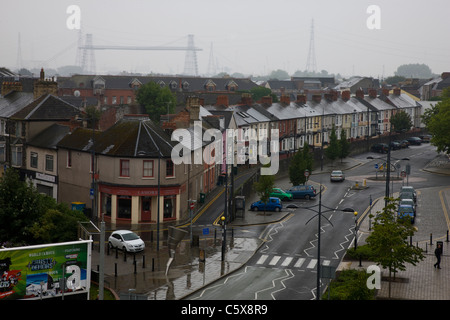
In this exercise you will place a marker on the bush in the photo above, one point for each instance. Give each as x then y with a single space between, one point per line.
350 285
362 251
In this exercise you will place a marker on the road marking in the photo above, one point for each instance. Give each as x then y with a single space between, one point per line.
299 263
262 259
326 262
287 261
274 260
312 264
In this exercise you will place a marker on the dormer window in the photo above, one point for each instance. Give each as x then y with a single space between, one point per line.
135 84
185 85
231 86
173 85
161 83
210 86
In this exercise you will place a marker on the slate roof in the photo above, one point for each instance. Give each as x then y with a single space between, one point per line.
129 137
46 107
50 137
13 102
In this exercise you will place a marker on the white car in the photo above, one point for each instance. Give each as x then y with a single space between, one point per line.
337 175
126 240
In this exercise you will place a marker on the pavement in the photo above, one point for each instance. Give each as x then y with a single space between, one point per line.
145 275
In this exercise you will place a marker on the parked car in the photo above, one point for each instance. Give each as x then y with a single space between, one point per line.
409 189
126 240
380 148
337 175
406 212
403 143
407 195
414 141
408 202
303 191
281 194
425 138
395 145
274 204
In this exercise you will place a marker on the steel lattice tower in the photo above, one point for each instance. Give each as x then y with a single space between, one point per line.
88 59
311 65
190 62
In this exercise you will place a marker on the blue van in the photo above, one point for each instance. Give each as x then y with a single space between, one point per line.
302 192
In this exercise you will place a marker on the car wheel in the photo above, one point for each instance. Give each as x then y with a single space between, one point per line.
307 197
277 209
255 209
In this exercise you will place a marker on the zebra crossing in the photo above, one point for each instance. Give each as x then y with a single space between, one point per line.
266 260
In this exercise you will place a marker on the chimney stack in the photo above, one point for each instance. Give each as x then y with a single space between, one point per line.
222 100
194 109
246 99
8 87
317 98
360 93
397 91
43 86
372 93
285 99
301 98
345 95
266 100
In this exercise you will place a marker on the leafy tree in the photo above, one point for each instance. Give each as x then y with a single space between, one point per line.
264 186
258 92
414 70
332 151
28 217
389 242
279 75
344 145
301 161
401 121
156 100
394 80
437 121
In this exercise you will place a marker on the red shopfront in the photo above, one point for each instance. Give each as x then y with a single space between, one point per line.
139 204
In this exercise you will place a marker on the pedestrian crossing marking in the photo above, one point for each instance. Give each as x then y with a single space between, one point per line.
287 261
274 260
326 262
299 263
312 264
262 259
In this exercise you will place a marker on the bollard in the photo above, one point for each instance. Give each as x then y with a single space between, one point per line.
431 239
124 255
107 250
143 261
117 254
447 237
115 269
134 262
153 264
410 241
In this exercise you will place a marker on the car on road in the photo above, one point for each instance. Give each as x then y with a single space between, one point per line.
414 141
274 204
425 138
408 202
409 189
380 148
395 145
126 240
281 194
302 192
337 175
406 212
402 143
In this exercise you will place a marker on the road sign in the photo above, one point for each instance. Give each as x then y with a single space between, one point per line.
205 231
192 205
91 193
376 165
306 173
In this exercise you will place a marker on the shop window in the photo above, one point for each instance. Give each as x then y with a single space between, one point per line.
124 207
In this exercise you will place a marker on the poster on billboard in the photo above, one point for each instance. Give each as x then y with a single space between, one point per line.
45 271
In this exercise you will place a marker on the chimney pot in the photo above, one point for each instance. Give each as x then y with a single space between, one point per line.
345 95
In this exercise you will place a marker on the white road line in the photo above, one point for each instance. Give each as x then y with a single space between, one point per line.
274 260
287 261
326 262
312 264
299 262
262 259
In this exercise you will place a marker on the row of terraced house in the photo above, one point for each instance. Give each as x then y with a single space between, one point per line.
121 167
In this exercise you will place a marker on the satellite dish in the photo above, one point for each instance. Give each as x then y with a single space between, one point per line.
76 93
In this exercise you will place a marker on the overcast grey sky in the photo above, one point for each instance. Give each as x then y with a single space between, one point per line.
248 36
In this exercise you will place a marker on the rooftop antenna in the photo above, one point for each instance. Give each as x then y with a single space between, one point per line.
311 61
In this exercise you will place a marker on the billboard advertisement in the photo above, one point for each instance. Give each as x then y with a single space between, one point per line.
45 271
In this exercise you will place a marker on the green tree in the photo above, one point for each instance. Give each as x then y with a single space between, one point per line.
437 121
344 145
414 70
156 100
388 242
301 161
264 186
332 151
401 121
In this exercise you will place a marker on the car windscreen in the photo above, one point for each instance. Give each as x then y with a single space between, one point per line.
129 236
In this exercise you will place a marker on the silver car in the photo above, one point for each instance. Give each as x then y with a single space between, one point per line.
337 175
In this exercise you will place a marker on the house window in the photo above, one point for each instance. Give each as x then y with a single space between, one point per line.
2 152
148 168
48 162
34 160
69 159
124 168
129 99
16 156
114 100
170 169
